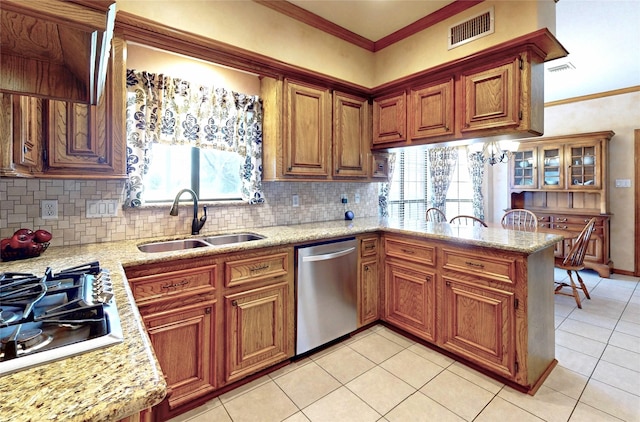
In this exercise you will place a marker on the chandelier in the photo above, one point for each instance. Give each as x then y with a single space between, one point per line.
493 151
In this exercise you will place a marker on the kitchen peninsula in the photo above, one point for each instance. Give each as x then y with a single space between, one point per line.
507 275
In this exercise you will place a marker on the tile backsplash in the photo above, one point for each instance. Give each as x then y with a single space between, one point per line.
20 207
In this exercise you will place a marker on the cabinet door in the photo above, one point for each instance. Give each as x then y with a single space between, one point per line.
256 330
552 165
524 169
390 119
307 137
368 293
584 168
410 301
351 136
491 97
479 323
88 140
431 110
27 130
183 340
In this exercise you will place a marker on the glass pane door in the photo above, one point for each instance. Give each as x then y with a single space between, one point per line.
552 171
583 166
524 169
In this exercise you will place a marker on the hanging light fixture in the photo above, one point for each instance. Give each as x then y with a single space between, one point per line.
494 152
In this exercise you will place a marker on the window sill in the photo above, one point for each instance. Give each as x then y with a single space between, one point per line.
188 203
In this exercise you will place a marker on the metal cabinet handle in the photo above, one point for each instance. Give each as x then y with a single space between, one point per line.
259 268
174 285
562 227
408 251
474 264
561 220
234 303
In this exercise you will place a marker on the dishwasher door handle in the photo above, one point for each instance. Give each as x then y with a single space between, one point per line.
328 256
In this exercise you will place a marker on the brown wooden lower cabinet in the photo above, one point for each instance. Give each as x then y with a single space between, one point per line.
368 280
491 308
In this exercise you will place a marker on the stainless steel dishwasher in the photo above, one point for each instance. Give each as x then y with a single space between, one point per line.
326 293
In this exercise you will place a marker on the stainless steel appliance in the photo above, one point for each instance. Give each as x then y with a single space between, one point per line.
54 316
326 293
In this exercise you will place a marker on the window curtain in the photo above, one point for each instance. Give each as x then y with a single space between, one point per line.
476 171
442 162
173 111
384 188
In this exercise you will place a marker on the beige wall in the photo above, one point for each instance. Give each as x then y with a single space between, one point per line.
251 26
619 113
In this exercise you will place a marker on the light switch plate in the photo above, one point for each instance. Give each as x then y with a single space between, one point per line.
295 201
102 208
623 183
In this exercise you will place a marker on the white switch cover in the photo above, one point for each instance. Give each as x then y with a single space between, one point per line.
295 201
356 198
49 209
623 183
102 208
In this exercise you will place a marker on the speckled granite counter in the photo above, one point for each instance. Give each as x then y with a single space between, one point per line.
112 383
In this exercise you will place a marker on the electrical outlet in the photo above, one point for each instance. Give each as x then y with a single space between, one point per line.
49 209
343 198
295 201
356 198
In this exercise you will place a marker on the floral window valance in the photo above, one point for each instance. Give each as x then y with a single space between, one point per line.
162 109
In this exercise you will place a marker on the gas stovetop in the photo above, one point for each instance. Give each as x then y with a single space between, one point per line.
56 315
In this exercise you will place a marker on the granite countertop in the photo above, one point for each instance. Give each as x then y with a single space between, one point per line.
111 383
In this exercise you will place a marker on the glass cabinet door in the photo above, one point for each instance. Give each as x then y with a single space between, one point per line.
524 169
583 167
552 165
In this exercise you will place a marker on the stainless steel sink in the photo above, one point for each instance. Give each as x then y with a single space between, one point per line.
178 245
172 245
225 239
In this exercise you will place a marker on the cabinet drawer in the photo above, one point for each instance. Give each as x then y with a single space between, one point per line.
494 267
190 281
251 270
409 251
580 221
369 247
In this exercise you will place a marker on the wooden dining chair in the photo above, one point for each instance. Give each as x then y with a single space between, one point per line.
574 262
519 219
467 220
435 215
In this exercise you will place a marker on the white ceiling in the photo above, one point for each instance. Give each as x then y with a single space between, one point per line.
602 37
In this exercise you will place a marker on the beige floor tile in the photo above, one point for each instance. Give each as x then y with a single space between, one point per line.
395 337
205 408
341 405
566 382
307 384
579 343
345 364
462 397
503 411
219 414
615 292
547 404
243 389
380 389
611 400
326 351
430 354
375 347
575 361
622 357
618 377
411 368
586 330
290 367
266 403
631 328
476 377
605 307
625 341
420 408
584 413
594 319
564 310
631 313
296 417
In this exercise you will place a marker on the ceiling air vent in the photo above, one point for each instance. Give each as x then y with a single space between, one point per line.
476 27
561 67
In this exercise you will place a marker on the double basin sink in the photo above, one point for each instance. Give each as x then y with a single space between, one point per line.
182 244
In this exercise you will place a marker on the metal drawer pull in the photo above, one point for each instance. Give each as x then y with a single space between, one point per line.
174 285
234 303
473 264
561 220
562 227
408 251
259 268
369 247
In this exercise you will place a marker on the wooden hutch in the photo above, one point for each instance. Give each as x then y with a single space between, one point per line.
564 181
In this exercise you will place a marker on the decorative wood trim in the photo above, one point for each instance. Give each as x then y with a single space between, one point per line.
594 96
438 16
636 159
141 30
311 19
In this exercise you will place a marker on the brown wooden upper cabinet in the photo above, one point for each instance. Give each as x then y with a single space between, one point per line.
311 133
488 96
